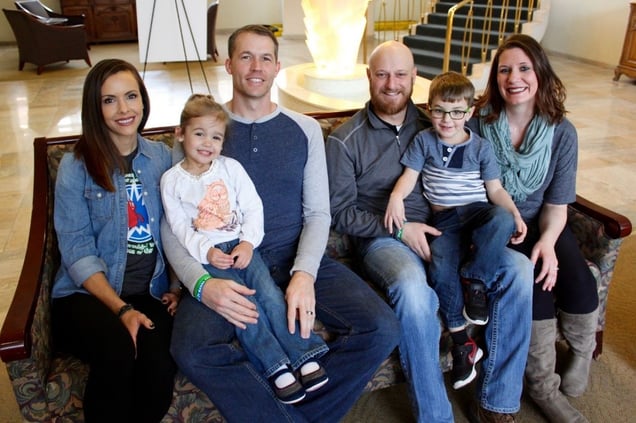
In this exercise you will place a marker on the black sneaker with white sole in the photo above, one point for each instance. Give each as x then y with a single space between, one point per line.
475 302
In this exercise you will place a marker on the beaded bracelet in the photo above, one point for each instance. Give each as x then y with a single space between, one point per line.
198 287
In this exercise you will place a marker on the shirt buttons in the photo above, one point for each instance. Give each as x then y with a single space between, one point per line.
99 195
449 149
445 159
254 149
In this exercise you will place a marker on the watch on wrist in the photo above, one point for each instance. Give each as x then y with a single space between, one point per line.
125 308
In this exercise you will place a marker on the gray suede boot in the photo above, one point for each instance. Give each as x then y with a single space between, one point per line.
542 383
579 331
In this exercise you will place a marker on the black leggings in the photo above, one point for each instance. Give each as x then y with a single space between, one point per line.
120 386
575 291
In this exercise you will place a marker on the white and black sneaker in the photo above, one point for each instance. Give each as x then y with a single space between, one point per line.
475 302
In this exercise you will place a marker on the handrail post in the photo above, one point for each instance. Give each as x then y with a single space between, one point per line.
449 31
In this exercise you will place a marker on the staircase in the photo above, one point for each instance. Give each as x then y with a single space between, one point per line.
468 52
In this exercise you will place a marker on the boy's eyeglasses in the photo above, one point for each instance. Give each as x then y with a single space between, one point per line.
454 114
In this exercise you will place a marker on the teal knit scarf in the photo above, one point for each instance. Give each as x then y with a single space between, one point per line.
522 171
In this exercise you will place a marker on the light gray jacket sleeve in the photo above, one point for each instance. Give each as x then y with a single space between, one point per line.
316 215
187 268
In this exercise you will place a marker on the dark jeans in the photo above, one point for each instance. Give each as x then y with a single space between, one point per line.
121 387
485 227
366 332
575 291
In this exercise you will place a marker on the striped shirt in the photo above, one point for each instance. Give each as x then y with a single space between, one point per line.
452 175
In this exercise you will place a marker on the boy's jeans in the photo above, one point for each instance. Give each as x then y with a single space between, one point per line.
488 228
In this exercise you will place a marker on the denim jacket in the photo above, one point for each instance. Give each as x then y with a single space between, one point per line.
92 223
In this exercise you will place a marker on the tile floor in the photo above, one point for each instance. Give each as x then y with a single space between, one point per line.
49 105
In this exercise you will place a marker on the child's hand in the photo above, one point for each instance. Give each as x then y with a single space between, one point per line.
520 234
242 254
219 259
171 300
394 214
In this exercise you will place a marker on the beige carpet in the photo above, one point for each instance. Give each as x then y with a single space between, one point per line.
611 396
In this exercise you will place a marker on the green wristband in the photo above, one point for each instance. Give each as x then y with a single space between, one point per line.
398 234
198 287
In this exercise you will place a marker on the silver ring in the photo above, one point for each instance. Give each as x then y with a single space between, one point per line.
311 313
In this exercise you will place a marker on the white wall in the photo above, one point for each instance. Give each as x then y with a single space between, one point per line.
6 35
592 30
236 13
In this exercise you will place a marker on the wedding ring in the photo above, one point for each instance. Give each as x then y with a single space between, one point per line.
311 313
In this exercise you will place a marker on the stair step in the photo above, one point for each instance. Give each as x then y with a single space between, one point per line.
436 59
478 22
432 30
429 40
480 7
437 44
428 72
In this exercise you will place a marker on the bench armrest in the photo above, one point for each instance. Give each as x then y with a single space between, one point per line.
16 337
614 224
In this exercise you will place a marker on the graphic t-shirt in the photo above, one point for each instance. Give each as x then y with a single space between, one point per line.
142 252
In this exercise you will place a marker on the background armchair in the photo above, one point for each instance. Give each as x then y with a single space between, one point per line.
43 44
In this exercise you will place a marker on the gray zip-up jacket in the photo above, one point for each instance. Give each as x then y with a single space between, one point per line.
363 163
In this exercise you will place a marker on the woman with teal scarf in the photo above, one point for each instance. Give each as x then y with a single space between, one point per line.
522 113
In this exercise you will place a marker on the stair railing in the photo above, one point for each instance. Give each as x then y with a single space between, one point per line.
466 38
467 35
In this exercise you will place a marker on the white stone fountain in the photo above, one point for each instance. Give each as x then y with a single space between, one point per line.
334 81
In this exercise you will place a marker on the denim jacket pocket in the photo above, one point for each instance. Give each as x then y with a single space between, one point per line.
101 203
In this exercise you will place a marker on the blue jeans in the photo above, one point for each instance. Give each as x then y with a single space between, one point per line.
484 226
366 332
396 269
268 343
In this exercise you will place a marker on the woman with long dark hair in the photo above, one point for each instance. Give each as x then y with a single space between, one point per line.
111 301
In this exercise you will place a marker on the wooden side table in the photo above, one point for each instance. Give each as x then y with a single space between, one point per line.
627 64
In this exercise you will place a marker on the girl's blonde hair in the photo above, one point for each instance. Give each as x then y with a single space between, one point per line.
199 105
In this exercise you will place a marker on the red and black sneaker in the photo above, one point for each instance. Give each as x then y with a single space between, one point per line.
465 357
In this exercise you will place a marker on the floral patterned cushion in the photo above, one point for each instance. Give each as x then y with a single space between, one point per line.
49 387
